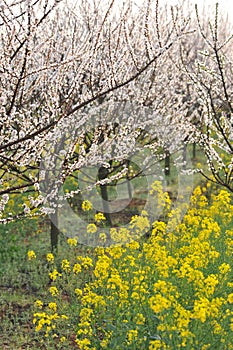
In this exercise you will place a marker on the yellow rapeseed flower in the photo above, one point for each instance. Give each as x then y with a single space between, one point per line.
78 292
54 291
210 283
132 336
50 258
140 223
52 306
72 242
103 236
77 268
31 255
159 303
230 298
39 304
83 343
231 324
99 217
87 262
91 228
54 274
86 205
64 317
65 265
156 345
140 319
224 268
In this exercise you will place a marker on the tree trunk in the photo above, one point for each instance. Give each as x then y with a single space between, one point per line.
102 174
167 164
128 181
194 150
184 156
129 189
54 231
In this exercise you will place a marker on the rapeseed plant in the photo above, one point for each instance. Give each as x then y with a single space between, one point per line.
31 255
173 290
50 258
99 217
86 205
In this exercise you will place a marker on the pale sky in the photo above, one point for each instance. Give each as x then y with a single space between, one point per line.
224 5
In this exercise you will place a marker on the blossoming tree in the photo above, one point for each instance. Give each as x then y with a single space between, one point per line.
70 73
93 86
206 62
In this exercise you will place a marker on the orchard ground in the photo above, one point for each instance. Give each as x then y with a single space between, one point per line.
173 290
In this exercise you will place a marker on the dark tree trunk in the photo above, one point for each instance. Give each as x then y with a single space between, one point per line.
194 150
54 231
184 156
128 181
102 174
167 164
129 189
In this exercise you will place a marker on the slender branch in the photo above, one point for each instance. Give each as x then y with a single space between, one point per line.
89 101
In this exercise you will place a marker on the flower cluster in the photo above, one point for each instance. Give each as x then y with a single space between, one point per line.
31 255
165 292
86 205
